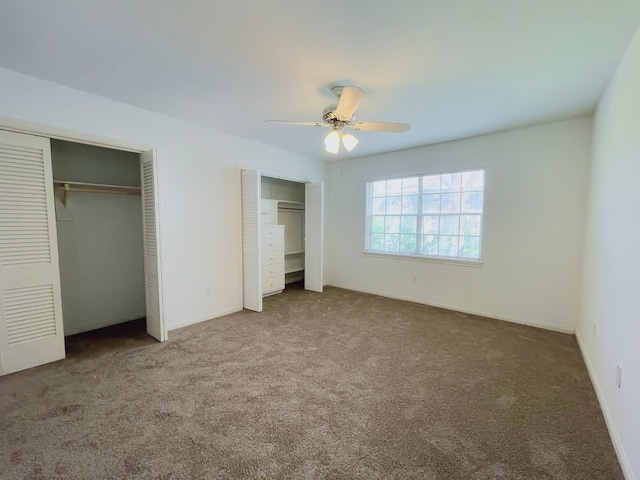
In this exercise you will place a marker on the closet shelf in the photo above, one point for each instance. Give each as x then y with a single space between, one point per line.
296 252
65 187
293 270
290 204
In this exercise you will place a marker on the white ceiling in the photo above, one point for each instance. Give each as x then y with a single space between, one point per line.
450 68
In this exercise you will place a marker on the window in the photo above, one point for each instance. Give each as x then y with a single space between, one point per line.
430 215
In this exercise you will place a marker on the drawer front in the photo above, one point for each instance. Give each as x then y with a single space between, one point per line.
272 284
272 231
269 258
275 270
272 244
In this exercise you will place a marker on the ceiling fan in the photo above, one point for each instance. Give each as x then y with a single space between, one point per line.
341 115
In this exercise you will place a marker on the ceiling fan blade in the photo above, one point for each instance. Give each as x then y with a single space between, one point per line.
382 126
349 100
307 124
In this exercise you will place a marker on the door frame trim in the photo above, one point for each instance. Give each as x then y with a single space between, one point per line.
58 133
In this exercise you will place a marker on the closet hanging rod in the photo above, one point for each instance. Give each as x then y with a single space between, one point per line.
65 187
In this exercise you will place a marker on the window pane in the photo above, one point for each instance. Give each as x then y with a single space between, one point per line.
394 205
446 209
410 186
392 224
377 243
377 224
431 184
431 203
391 242
379 189
451 182
449 225
450 203
429 245
448 246
407 243
472 202
410 204
470 247
408 224
430 225
470 225
473 180
378 206
394 187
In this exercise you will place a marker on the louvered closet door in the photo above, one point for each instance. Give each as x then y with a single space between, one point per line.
153 292
31 330
251 256
313 232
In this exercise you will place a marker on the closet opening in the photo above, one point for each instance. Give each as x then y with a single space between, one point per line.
282 235
103 205
283 203
100 233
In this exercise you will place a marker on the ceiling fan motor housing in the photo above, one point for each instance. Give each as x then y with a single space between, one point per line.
329 116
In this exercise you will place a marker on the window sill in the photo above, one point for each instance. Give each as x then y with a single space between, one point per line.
449 261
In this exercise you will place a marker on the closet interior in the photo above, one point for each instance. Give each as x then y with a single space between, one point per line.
282 217
99 225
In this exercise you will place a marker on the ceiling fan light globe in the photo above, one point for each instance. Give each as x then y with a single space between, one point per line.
349 141
332 142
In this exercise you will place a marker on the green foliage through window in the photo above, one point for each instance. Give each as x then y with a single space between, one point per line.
429 215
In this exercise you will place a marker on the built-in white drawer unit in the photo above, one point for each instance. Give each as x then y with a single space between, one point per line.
272 245
272 285
269 258
273 270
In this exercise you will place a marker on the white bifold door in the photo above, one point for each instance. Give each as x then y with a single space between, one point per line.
31 330
313 228
251 229
251 254
153 293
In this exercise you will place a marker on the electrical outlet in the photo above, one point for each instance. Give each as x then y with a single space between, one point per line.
208 290
415 279
595 329
618 376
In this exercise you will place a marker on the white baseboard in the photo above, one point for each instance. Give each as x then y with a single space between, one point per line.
608 418
210 316
545 326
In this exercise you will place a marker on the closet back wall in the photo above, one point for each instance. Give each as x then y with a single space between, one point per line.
100 240
278 189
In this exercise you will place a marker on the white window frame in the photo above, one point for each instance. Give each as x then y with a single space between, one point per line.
418 256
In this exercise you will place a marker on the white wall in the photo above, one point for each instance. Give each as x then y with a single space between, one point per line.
198 179
612 259
100 242
532 234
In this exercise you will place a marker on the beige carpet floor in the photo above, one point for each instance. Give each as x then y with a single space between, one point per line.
333 385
